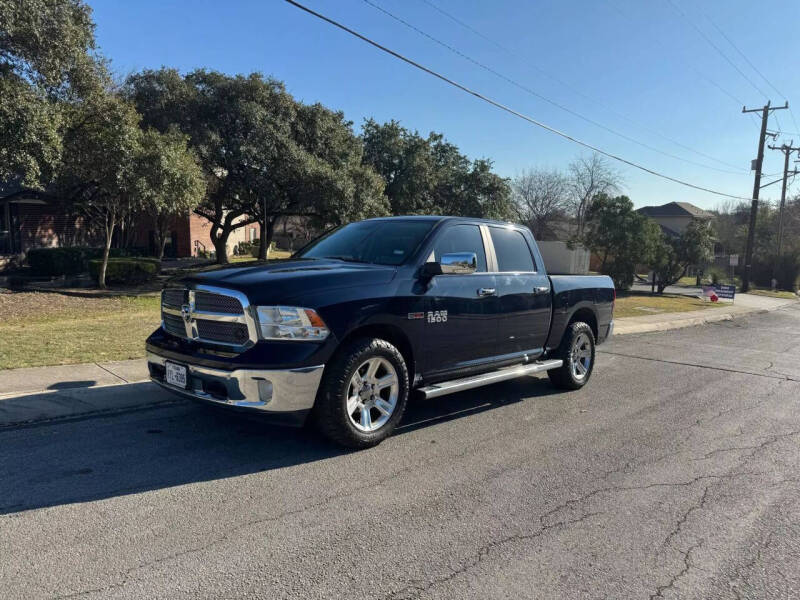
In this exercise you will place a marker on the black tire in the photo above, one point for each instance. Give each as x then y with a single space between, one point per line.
331 415
568 376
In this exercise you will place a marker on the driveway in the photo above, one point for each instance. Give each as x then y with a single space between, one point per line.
675 473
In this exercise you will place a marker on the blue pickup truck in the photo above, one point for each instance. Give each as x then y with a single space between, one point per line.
344 331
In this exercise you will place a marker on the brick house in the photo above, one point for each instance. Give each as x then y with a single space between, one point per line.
30 219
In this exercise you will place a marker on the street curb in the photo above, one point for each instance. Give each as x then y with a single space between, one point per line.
622 328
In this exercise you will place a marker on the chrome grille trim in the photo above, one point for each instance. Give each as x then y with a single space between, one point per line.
191 316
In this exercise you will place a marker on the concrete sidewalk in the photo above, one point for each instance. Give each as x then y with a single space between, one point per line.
14 382
47 393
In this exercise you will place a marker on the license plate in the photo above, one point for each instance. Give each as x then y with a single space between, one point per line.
176 375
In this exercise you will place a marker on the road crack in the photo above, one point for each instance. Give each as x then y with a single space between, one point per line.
687 566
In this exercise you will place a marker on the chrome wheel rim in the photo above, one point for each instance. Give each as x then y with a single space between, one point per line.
581 357
372 394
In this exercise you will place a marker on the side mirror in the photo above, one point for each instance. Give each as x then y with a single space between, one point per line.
462 263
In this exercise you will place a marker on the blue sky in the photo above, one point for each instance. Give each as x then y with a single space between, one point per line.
637 67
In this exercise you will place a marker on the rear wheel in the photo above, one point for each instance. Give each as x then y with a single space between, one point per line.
577 350
363 394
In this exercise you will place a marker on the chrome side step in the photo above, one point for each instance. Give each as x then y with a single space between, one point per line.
467 383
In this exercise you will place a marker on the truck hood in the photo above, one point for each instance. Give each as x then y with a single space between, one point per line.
281 279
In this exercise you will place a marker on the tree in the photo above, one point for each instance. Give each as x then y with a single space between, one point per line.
671 256
101 142
590 177
45 60
265 156
403 158
540 197
169 183
431 176
620 236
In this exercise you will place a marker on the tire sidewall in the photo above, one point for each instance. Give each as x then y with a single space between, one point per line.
336 390
575 330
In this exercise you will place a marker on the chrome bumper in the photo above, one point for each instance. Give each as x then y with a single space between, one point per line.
286 396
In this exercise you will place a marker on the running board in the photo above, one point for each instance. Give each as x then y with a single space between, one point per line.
467 383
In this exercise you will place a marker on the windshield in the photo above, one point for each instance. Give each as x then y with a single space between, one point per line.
379 242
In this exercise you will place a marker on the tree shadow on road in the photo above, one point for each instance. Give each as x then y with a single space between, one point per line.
102 457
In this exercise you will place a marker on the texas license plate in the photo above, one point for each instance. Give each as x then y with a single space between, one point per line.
176 375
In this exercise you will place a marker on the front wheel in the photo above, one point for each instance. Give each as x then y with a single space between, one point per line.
577 351
363 394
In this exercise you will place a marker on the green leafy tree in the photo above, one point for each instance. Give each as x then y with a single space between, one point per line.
46 60
168 181
265 156
620 236
316 172
673 255
430 175
101 143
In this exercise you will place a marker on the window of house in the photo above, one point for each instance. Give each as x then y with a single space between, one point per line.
513 253
461 238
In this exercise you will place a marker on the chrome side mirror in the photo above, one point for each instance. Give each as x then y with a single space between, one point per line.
459 263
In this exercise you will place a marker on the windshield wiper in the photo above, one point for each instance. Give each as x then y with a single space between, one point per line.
347 259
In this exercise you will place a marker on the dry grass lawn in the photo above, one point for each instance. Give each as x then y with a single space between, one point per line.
636 305
38 329
776 294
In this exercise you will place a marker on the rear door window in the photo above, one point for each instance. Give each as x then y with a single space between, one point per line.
513 253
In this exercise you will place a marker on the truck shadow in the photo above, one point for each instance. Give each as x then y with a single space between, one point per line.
183 443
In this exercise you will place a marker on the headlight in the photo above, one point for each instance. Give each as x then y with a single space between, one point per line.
290 323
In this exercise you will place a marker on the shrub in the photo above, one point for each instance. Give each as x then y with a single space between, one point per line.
256 247
786 271
716 275
57 261
243 248
71 260
126 270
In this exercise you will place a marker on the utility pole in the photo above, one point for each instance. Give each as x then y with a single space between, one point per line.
751 231
787 150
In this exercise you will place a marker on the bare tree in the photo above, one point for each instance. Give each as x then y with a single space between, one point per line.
588 177
540 197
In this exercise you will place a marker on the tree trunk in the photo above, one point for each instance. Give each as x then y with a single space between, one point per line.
221 246
161 236
101 277
267 233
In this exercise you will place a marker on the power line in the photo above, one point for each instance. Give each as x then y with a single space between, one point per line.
690 65
711 43
540 96
574 90
752 66
505 108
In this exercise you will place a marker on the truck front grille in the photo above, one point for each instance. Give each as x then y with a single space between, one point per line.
230 333
174 325
203 301
208 315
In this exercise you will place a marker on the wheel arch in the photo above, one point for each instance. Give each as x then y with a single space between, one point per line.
392 334
585 314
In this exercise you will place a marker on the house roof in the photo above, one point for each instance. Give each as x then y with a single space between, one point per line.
675 209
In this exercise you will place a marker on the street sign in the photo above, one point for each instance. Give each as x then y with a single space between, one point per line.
734 259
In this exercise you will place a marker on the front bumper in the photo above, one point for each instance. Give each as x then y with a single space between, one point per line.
284 396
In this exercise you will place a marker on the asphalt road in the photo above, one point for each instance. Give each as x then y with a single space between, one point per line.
676 473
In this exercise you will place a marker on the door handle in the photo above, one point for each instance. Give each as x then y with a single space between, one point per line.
486 292
541 290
